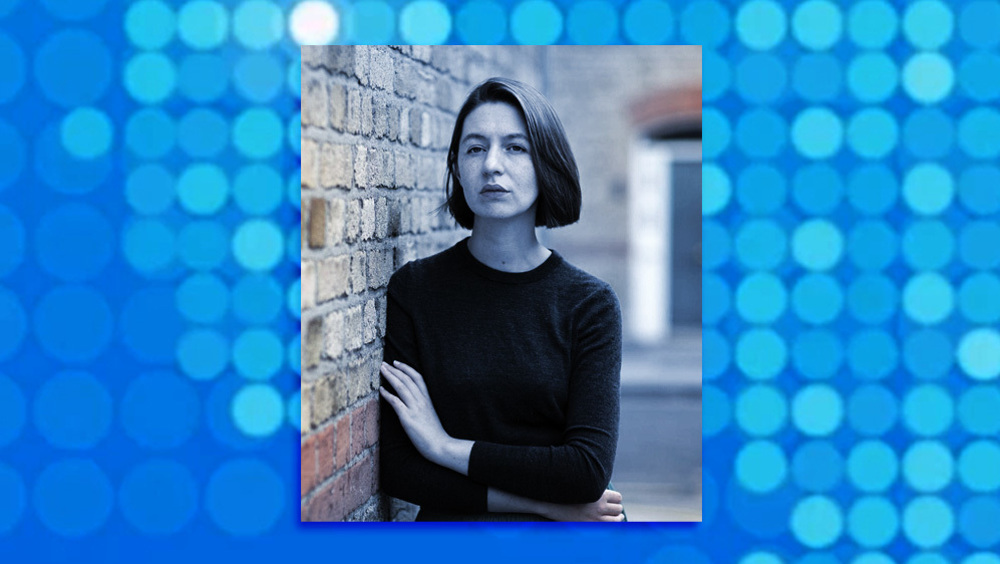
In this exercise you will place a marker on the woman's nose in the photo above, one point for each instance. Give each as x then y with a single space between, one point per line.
492 163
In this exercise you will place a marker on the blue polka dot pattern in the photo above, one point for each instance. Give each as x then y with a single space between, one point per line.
850 352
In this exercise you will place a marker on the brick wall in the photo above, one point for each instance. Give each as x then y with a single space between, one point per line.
376 123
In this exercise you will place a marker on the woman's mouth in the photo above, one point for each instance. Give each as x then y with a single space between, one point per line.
493 189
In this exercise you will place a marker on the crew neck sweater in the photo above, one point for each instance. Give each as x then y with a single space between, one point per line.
525 364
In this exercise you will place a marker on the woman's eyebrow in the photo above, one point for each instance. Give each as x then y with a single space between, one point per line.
480 137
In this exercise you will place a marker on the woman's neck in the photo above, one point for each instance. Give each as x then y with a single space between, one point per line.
506 246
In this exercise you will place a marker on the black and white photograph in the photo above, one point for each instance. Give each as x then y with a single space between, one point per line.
501 283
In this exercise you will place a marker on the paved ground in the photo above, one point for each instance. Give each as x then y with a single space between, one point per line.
658 467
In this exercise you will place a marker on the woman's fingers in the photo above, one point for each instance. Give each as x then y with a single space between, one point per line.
611 496
403 390
396 403
407 379
613 509
413 374
612 518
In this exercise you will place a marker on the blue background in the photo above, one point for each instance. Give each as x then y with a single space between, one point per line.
149 237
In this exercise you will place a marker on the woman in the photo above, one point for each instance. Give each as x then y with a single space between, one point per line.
503 360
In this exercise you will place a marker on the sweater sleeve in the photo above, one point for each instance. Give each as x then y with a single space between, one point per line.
404 472
579 468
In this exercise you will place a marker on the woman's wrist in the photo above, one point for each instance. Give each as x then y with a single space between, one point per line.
454 454
499 501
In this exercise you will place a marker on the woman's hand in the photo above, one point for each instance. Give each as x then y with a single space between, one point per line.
413 406
608 508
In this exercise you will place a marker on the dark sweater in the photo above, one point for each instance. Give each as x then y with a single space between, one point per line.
525 364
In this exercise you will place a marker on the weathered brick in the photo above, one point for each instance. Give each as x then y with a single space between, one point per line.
322 403
317 223
325 443
358 266
381 218
361 481
352 227
392 121
312 55
382 70
362 63
405 215
404 125
339 390
343 441
310 168
392 229
333 334
340 59
371 422
353 110
422 53
406 78
314 100
307 289
335 221
338 106
385 172
333 278
417 123
308 476
357 432
439 58
380 115
404 253
367 219
371 322
353 328
330 503
305 420
335 166
442 94
405 173
367 113
358 380
379 267
455 59
381 305
361 166
312 344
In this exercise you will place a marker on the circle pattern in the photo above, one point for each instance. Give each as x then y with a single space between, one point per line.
902 279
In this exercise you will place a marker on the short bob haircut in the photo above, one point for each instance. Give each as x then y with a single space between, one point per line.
558 178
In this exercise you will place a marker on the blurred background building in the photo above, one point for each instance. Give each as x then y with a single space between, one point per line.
633 117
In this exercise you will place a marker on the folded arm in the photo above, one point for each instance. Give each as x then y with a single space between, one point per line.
577 470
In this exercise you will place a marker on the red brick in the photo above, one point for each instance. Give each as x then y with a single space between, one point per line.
343 442
360 483
337 496
325 441
308 465
329 504
357 431
371 422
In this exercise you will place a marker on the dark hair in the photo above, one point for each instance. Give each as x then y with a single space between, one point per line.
558 179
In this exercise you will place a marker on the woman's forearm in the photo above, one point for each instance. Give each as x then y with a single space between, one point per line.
499 501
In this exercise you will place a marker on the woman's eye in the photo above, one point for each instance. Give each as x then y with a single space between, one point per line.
518 149
472 150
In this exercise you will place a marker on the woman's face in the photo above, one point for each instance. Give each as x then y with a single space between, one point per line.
494 163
